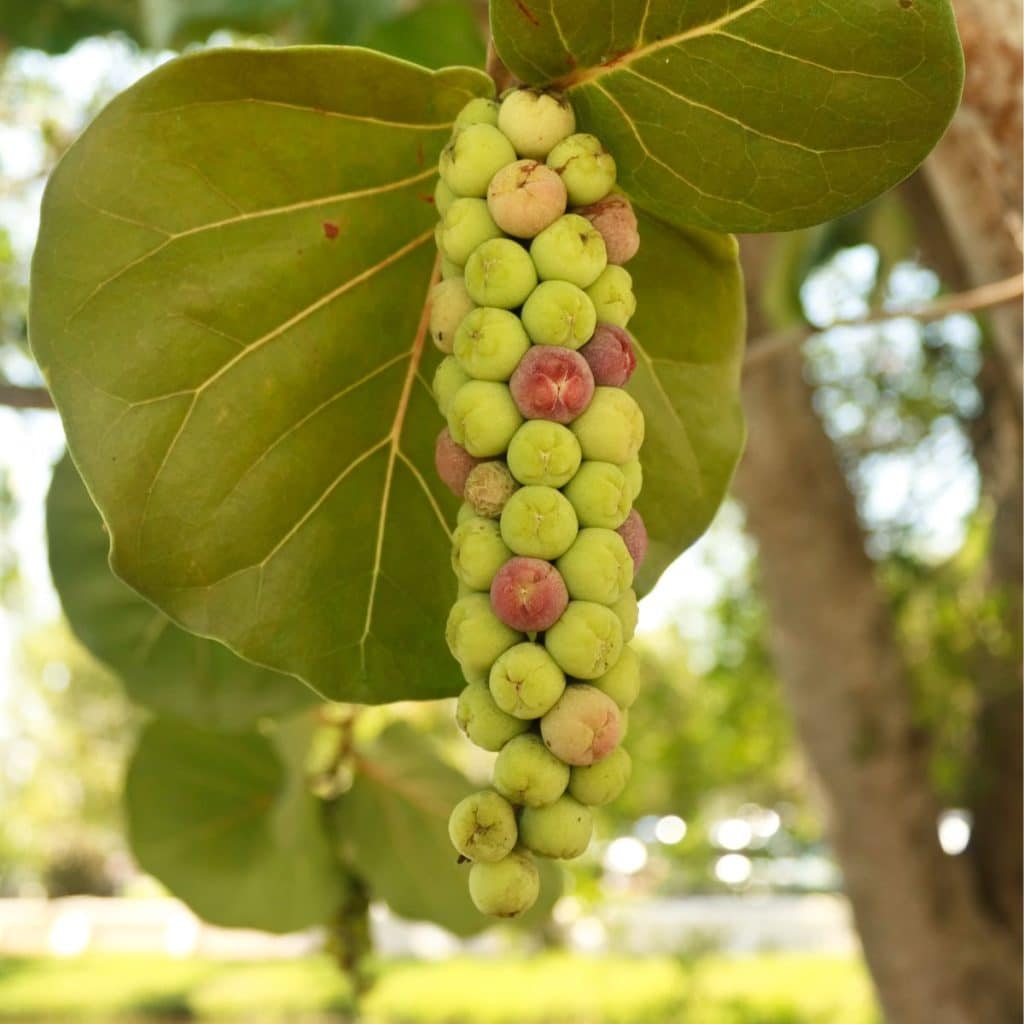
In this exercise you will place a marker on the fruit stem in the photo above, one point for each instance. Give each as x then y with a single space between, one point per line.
495 67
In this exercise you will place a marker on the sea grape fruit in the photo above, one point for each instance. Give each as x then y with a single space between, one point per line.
527 773
586 168
552 383
525 681
561 830
482 826
453 462
597 567
483 721
634 474
472 157
506 888
586 641
525 197
488 487
478 552
613 216
444 197
612 296
571 249
449 304
500 273
475 635
528 594
610 356
600 495
480 110
598 784
538 522
559 313
627 611
544 453
489 343
483 418
622 681
535 121
583 727
610 429
634 533
448 378
466 224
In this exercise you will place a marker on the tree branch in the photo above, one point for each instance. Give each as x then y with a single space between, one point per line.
25 398
998 293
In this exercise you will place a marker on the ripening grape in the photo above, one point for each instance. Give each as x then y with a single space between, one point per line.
542 444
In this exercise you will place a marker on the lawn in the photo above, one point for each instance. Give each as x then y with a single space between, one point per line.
549 989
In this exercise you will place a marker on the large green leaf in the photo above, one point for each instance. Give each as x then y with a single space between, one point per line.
227 824
747 115
228 306
392 828
246 399
163 667
689 332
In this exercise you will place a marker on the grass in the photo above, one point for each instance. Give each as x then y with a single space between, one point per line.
554 988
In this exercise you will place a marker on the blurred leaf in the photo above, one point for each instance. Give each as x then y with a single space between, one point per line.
392 828
757 116
228 829
176 22
163 667
437 34
242 387
689 330
56 25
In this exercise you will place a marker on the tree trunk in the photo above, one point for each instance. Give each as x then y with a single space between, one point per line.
936 956
975 171
976 176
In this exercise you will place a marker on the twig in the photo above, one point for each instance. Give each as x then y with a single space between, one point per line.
25 398
986 296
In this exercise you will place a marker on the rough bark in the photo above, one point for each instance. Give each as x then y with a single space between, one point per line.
935 955
976 176
975 172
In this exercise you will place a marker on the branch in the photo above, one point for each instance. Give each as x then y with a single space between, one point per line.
997 293
25 398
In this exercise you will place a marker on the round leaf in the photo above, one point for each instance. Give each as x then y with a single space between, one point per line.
392 828
163 667
227 303
223 823
688 333
763 115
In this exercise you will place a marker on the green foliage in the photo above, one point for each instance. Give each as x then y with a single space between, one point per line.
549 989
298 534
56 25
392 827
436 34
761 116
320 376
227 824
162 667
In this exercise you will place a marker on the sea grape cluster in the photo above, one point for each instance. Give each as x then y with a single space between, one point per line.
542 445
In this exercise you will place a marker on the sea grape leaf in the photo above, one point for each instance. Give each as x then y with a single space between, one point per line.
242 379
228 297
689 334
392 829
163 667
227 824
747 115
